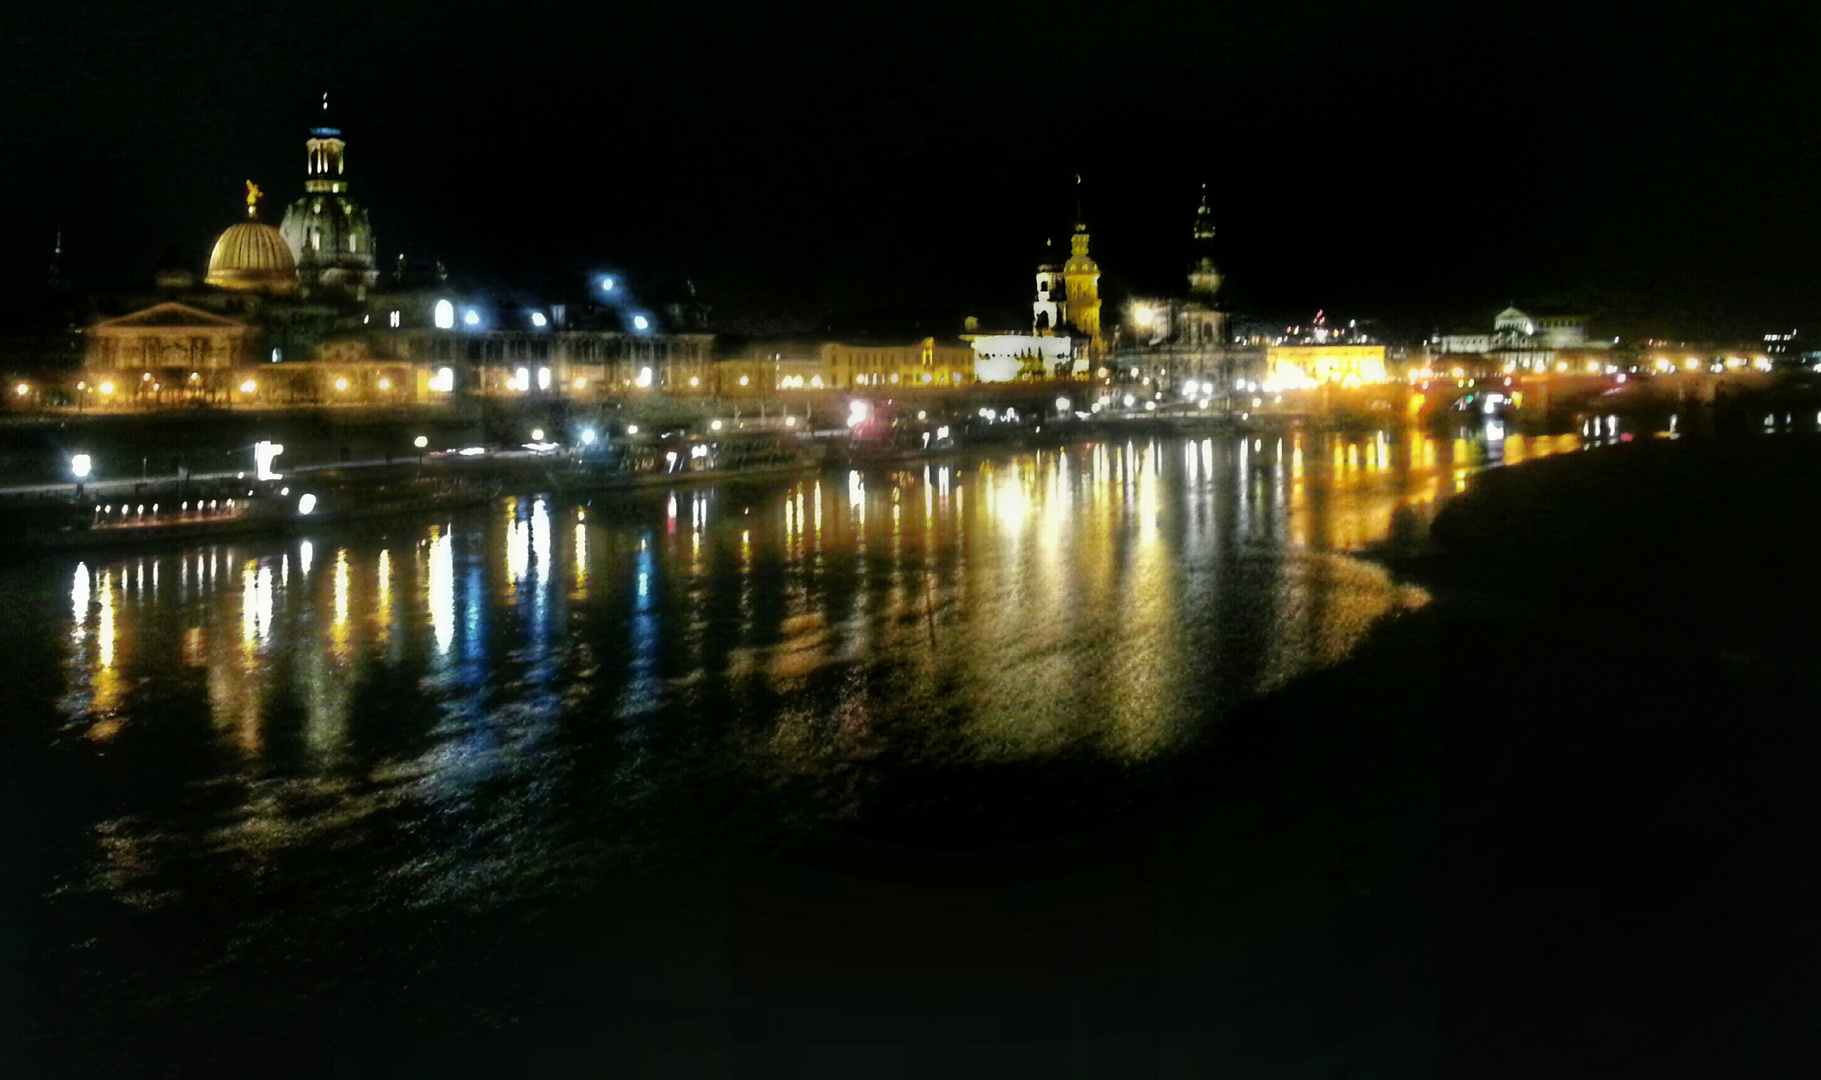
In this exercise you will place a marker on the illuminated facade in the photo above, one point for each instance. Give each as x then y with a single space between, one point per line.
570 362
1050 310
770 367
166 352
1521 340
1081 282
1301 367
1006 357
922 363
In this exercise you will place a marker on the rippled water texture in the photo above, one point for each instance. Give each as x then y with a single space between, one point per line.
299 738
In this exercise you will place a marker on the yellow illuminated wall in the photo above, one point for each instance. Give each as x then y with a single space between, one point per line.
1290 367
920 363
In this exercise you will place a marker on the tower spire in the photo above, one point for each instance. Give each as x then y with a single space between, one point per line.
1077 199
1204 218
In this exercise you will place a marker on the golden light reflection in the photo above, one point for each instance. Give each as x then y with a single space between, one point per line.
518 547
107 677
339 644
1074 607
382 604
440 589
1147 499
581 559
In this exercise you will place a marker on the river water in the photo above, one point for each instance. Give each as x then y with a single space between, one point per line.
251 776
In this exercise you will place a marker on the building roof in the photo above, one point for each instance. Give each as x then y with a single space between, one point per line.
168 315
252 257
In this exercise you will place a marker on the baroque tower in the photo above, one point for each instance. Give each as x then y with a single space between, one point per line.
1204 279
1050 310
328 234
1081 279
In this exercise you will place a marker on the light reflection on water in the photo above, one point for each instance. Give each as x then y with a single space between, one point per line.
490 701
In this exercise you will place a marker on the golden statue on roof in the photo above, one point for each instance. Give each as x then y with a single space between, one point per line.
253 197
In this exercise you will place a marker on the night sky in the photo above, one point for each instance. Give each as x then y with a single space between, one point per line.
1419 163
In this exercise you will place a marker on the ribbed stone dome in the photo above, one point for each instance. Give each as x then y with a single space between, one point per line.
252 257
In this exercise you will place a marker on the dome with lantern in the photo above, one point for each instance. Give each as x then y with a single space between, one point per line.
328 233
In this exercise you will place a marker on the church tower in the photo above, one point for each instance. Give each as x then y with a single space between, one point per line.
1204 279
328 234
1051 309
1081 279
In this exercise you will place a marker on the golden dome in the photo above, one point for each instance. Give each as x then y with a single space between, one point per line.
252 257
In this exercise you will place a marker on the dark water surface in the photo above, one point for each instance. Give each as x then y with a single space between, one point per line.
359 799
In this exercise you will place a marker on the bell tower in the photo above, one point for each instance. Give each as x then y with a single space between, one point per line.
1050 310
1081 278
1204 279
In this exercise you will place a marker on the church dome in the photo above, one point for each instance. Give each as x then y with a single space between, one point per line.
251 257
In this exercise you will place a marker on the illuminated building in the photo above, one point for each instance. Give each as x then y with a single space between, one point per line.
571 363
169 341
1081 281
768 367
1177 340
1050 311
1528 342
921 363
1300 367
329 236
1006 357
